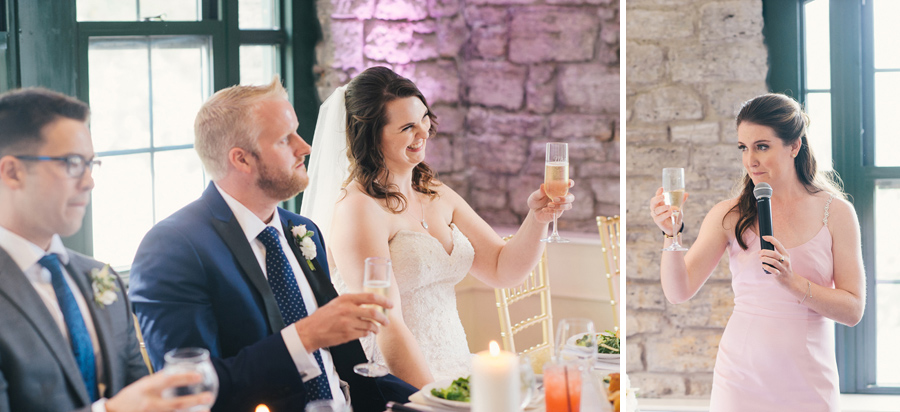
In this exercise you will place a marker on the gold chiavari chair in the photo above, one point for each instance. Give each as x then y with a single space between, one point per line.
609 238
140 337
536 284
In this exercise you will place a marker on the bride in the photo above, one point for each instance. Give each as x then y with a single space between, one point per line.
391 204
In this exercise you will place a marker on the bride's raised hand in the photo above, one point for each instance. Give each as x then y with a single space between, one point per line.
661 212
544 207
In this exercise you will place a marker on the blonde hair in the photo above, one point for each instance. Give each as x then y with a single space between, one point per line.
227 121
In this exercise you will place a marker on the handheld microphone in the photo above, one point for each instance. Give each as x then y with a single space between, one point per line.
763 192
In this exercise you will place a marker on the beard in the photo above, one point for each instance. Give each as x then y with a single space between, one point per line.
281 186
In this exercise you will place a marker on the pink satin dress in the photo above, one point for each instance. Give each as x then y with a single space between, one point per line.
776 354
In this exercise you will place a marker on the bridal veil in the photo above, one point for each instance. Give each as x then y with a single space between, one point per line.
328 162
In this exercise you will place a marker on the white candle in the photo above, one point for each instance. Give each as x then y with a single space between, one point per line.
495 385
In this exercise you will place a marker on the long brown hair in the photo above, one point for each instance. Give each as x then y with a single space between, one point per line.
789 122
366 99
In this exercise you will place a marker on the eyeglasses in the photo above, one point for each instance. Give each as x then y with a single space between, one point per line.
75 163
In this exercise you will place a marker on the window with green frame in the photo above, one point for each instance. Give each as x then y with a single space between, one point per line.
145 67
839 59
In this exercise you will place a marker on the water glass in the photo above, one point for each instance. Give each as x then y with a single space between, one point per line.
185 360
328 405
576 341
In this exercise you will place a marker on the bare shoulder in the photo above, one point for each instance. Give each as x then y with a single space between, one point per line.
841 212
721 212
355 203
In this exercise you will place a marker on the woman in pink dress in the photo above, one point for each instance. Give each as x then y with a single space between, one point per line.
777 352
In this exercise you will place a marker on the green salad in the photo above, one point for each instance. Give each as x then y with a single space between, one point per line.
606 342
457 391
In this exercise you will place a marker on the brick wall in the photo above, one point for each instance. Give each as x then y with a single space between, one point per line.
504 77
690 65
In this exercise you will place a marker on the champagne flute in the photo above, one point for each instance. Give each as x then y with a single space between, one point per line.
673 192
377 280
185 360
556 181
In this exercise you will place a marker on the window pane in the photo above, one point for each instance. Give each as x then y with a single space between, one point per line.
119 94
887 226
887 271
179 180
258 64
122 208
181 82
818 54
106 10
137 10
171 10
887 122
886 33
257 14
888 334
818 106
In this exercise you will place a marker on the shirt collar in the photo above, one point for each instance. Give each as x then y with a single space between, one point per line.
27 254
249 222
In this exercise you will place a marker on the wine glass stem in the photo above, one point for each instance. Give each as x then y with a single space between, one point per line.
674 229
555 233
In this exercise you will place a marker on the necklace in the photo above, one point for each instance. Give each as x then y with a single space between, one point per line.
425 225
422 205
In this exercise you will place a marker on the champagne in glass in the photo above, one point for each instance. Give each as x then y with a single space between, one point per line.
673 194
556 181
377 279
185 360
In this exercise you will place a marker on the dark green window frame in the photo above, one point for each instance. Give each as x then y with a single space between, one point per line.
31 55
853 145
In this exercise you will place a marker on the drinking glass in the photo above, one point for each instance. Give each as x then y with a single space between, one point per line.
526 379
576 341
377 280
556 181
327 405
562 386
673 191
184 360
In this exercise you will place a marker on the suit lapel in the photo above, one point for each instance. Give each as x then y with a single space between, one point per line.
319 282
230 231
18 290
78 269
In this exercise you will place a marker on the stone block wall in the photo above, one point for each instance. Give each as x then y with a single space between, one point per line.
690 64
504 77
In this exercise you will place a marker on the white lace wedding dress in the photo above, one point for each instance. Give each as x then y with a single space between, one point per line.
426 276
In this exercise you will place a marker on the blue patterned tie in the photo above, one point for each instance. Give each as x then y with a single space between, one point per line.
78 333
290 302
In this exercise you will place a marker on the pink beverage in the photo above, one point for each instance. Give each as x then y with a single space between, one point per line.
562 386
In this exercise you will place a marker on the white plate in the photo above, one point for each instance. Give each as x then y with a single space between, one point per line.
571 342
426 392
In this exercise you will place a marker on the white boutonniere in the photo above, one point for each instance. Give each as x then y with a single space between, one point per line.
104 285
305 243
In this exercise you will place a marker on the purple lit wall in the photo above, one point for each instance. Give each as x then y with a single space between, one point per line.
504 77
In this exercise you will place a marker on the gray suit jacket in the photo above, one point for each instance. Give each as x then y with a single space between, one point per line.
37 368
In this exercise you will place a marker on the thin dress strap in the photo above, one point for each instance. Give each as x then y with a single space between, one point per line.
827 204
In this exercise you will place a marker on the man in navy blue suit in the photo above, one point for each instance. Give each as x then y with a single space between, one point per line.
233 273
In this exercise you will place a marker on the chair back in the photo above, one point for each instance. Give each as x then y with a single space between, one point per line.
140 337
536 284
609 238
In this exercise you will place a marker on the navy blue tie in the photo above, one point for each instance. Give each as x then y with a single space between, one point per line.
290 302
78 333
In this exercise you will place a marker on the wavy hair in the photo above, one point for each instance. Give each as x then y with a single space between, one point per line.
366 99
789 122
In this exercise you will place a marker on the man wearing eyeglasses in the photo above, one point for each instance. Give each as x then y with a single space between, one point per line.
62 346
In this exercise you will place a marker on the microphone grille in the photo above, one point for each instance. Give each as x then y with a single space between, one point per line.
762 190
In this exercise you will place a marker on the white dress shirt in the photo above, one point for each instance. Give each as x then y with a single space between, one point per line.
26 255
304 360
